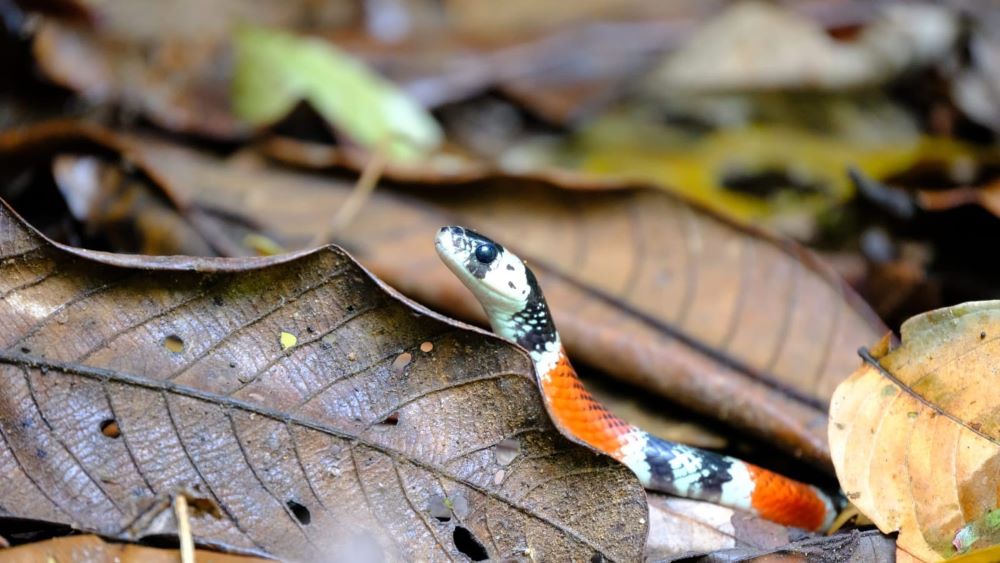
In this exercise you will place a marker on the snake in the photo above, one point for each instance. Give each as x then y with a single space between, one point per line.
509 293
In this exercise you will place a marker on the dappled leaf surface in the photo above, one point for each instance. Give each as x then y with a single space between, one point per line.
914 431
127 378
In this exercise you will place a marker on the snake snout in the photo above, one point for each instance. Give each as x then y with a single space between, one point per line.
450 237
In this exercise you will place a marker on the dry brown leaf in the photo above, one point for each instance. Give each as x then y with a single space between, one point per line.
760 45
750 329
689 530
92 549
642 285
869 546
680 526
176 83
914 431
974 89
178 74
171 62
128 377
111 204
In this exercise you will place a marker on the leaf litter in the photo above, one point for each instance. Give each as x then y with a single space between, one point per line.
750 135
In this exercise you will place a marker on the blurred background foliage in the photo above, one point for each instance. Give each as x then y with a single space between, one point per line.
756 110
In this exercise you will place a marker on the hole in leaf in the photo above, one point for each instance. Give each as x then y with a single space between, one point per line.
110 428
426 347
300 512
401 362
391 420
173 343
468 544
506 451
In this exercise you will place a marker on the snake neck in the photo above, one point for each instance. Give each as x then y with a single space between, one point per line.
531 326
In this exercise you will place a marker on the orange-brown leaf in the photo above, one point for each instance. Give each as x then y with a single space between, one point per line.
914 431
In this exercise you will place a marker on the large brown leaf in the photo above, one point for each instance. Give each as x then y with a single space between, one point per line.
724 319
747 328
915 431
318 410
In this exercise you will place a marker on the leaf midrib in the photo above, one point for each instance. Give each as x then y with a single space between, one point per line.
869 359
105 375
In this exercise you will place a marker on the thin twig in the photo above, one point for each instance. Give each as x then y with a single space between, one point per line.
184 529
362 191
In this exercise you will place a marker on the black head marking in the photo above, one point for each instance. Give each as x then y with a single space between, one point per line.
535 319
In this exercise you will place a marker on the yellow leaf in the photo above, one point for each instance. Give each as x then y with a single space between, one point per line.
986 555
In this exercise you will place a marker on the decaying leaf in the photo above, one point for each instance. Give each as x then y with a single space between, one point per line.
688 530
683 527
176 82
975 88
914 431
92 549
331 444
769 46
724 319
114 206
870 546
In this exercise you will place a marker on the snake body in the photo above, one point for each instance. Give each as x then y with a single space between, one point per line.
513 301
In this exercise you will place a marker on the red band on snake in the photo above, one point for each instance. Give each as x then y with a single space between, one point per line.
513 301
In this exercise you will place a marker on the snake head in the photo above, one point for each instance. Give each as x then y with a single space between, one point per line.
497 277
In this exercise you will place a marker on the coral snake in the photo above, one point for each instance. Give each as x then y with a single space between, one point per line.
513 301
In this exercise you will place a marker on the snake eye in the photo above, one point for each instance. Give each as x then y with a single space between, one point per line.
486 253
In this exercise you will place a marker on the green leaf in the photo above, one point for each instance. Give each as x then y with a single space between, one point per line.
275 70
